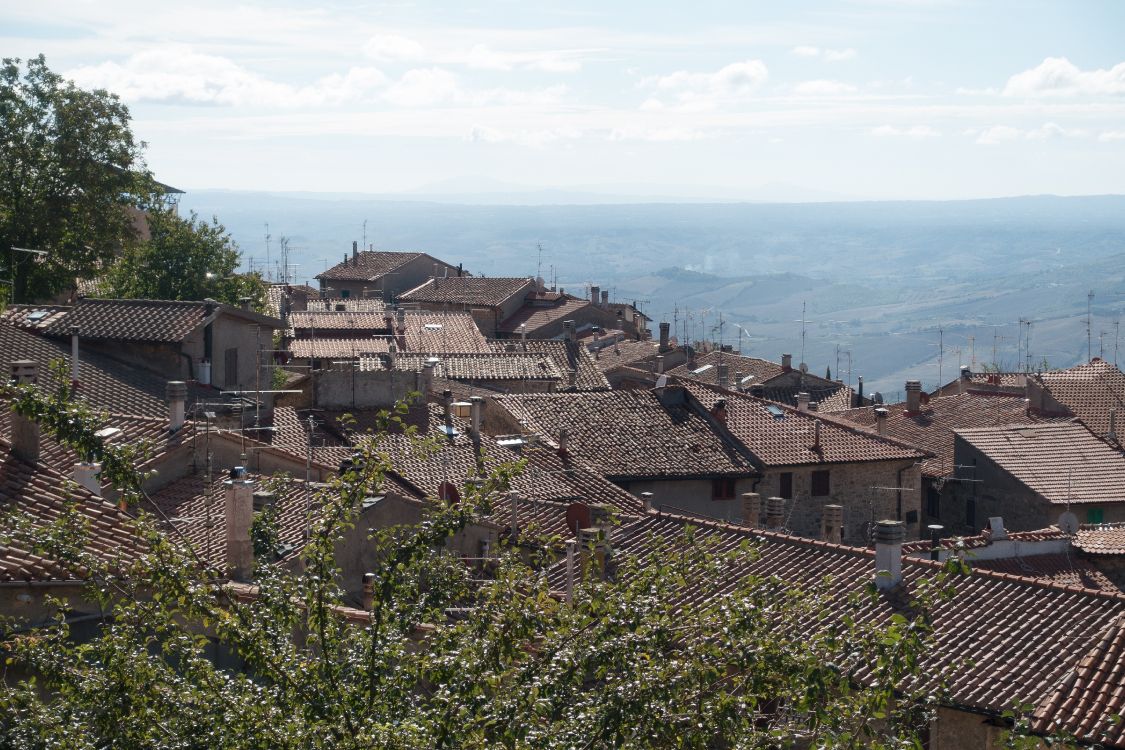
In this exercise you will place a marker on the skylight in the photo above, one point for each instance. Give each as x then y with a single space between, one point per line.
702 370
776 411
432 326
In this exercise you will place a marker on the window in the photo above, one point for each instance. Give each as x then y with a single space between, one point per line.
230 368
820 484
785 482
1095 515
722 489
345 293
971 512
933 503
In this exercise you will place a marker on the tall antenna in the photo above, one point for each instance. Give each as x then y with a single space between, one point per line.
1089 336
941 354
267 251
973 352
539 267
802 321
364 234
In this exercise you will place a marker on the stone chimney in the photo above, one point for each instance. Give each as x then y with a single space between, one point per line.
775 513
86 474
595 295
368 591
74 356
570 333
175 391
832 523
646 498
889 536
665 330
564 441
859 393
428 375
751 509
355 253
719 411
605 298
659 364
724 375
881 421
239 493
787 362
25 431
475 409
965 379
1112 434
803 401
913 396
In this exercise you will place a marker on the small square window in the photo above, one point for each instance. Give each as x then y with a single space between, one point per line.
1095 515
820 484
785 485
722 489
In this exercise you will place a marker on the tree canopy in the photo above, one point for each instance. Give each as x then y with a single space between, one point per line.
70 173
185 259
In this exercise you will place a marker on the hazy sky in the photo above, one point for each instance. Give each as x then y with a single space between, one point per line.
881 99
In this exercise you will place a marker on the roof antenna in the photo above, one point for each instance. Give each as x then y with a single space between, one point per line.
267 253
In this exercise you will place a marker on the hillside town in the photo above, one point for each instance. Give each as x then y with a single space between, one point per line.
626 435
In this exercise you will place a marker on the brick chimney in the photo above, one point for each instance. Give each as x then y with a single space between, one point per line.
751 509
881 421
355 253
889 536
719 411
175 391
665 330
803 401
913 396
239 494
787 362
832 523
775 513
25 431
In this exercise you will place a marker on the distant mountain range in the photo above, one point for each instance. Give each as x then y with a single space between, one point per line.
899 285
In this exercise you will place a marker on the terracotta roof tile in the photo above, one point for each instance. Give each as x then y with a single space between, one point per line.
332 320
1059 568
1060 461
499 367
34 317
705 369
345 304
158 321
1101 539
632 433
567 356
1090 391
469 290
625 353
339 348
782 436
371 265
537 316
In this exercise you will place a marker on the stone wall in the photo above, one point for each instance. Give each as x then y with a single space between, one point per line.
692 497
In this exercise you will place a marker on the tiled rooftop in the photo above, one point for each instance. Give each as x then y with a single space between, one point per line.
507 366
1101 539
33 317
782 436
625 353
439 332
307 321
469 290
1060 461
348 304
566 356
1090 391
1059 568
631 434
338 348
705 369
999 639
276 291
535 317
932 428
371 265
157 321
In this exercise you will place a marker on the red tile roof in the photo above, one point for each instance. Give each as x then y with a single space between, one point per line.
632 434
514 366
338 348
1062 461
624 353
535 317
1090 391
371 265
1101 539
779 435
705 369
344 304
1059 568
33 317
567 356
157 321
932 428
999 639
469 290
436 333
331 320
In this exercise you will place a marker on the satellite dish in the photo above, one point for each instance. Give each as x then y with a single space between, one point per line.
1068 522
804 368
577 516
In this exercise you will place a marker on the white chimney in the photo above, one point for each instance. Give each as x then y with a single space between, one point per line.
832 523
802 401
176 393
889 536
87 475
775 512
25 431
996 525
881 420
914 396
239 515
724 375
74 356
476 405
751 509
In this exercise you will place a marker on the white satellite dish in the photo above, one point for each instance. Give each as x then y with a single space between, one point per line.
1068 522
804 368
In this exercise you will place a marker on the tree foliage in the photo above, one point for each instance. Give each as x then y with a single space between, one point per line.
185 259
70 170
446 655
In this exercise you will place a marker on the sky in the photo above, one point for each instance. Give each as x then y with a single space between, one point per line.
854 99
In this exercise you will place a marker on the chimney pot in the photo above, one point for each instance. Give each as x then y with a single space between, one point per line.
568 327
751 509
881 420
889 536
595 295
605 298
832 523
475 409
787 362
176 393
719 410
936 530
914 396
665 332
564 441
723 374
775 512
368 591
646 498
355 252
25 431
239 495
803 401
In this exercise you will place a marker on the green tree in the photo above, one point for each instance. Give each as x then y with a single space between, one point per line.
70 171
444 656
186 259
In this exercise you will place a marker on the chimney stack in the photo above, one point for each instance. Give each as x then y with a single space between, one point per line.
966 377
659 364
368 591
597 538
803 401
605 298
881 421
665 330
935 540
832 523
595 295
571 333
475 408
775 513
787 362
737 381
996 526
25 431
392 351
913 396
889 536
176 393
751 509
1112 434
86 474
564 441
816 435
244 302
74 357
724 375
859 393
239 493
355 253
646 498
428 375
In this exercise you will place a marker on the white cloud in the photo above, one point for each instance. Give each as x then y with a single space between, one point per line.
998 134
1111 135
805 51
839 55
181 75
1058 76
1054 130
393 48
916 131
707 90
423 87
823 88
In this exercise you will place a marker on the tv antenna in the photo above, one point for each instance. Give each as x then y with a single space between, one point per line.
1089 336
803 321
267 252
539 267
